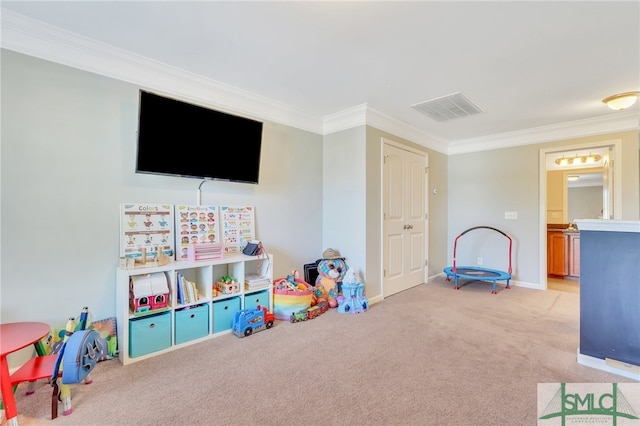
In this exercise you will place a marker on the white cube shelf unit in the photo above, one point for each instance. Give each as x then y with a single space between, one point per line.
152 332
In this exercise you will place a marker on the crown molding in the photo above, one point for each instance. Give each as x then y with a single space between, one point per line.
40 40
345 119
35 38
362 114
399 128
612 123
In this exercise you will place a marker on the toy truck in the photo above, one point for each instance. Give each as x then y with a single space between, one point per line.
247 321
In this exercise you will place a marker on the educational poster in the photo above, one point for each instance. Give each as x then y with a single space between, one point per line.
146 226
238 228
195 224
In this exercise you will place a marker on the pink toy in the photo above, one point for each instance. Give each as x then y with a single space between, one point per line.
148 292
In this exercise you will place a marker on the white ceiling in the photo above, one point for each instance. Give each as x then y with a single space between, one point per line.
538 70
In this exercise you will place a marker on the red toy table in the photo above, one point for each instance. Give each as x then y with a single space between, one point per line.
13 337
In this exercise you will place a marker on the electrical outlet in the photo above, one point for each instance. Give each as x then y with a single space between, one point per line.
510 215
480 261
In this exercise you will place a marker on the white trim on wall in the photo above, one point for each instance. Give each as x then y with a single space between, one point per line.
542 190
34 38
43 41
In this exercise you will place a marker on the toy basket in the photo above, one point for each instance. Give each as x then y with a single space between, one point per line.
287 301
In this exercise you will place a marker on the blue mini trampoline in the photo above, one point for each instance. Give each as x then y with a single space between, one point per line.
477 273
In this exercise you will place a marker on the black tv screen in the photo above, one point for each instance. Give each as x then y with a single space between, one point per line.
181 139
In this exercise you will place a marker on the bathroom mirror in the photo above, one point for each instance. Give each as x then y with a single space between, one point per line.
585 196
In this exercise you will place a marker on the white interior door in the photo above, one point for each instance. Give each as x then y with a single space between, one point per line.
404 219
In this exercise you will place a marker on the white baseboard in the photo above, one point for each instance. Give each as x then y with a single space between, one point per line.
602 364
375 300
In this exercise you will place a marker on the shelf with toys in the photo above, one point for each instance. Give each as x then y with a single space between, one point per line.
166 307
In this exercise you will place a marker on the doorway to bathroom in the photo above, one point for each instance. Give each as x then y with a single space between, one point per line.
575 182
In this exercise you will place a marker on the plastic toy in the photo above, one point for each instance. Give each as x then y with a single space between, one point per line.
248 321
290 295
310 313
148 292
352 300
477 273
226 285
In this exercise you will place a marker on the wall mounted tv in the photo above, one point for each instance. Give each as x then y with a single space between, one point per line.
176 138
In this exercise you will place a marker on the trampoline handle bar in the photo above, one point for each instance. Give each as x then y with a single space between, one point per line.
455 244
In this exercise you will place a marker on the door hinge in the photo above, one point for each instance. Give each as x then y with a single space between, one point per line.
426 262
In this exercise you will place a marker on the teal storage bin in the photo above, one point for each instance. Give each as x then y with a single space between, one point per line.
223 312
258 298
191 324
149 334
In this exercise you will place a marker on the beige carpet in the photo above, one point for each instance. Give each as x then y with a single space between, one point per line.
428 356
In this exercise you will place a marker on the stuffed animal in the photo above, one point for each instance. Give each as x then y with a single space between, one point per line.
331 270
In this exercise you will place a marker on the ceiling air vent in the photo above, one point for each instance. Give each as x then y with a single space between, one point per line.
448 107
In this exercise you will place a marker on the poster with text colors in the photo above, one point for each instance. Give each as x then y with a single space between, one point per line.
146 226
195 224
237 227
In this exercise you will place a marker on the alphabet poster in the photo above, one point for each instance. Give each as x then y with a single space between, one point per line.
195 224
238 227
146 226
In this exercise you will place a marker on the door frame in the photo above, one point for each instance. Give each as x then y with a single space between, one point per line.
542 191
425 154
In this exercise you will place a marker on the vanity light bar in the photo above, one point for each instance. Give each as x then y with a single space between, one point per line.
583 159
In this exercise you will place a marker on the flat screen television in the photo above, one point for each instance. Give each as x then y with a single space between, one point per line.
177 138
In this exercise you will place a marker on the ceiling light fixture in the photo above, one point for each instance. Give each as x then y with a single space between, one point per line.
621 100
573 177
577 160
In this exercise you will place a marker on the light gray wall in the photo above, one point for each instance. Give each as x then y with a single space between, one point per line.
353 200
484 185
438 212
68 152
68 149
373 214
344 196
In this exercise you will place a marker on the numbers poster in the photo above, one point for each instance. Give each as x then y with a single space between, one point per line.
195 224
146 226
237 228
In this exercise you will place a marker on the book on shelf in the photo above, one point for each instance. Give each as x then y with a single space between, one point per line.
187 290
256 281
179 288
190 286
